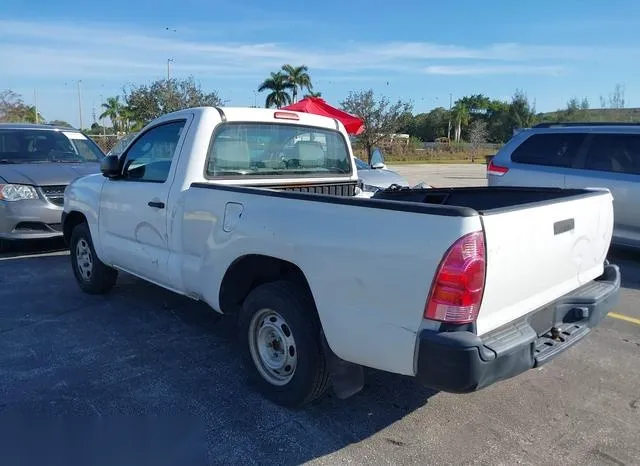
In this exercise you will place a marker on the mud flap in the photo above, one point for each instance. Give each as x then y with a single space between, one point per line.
347 378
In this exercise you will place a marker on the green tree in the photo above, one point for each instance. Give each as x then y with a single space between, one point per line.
477 136
278 84
112 109
461 117
499 128
521 112
149 101
298 77
127 119
573 105
14 110
61 123
30 115
584 105
380 117
476 105
312 94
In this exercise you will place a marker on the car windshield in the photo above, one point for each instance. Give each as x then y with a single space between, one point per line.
275 149
47 146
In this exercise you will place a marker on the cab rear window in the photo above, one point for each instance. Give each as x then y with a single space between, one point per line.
276 150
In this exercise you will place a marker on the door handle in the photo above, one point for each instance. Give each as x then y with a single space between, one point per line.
156 204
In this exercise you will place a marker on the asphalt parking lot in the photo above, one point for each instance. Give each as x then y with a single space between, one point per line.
444 175
143 350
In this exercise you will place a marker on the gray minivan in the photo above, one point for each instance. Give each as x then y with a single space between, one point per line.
37 162
578 155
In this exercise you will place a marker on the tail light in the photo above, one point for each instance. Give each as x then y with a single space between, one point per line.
456 293
493 169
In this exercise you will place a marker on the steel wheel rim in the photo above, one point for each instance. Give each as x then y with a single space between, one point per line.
272 347
84 259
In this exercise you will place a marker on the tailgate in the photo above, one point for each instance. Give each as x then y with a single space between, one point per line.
537 254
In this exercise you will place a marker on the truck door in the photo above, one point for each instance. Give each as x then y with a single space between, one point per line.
133 209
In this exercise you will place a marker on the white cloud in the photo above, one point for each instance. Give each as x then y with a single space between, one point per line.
116 52
479 70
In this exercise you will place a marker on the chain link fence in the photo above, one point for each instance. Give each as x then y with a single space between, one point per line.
105 141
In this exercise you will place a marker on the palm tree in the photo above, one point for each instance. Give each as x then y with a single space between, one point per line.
312 94
31 116
278 84
113 108
461 115
126 118
299 77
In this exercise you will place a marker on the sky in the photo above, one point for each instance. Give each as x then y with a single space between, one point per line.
421 52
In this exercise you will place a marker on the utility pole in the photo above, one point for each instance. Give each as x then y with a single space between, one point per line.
79 104
169 60
449 128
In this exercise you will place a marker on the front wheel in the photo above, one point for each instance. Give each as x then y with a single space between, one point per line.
280 334
92 275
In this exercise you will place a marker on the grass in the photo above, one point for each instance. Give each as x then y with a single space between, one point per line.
407 156
620 115
391 161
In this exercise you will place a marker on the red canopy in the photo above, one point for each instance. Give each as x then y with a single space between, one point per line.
318 106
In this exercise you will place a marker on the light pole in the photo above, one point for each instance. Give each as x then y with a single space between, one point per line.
169 61
80 104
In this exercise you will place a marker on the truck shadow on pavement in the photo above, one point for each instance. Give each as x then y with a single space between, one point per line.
142 350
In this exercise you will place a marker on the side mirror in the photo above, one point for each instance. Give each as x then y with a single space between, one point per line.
110 166
377 159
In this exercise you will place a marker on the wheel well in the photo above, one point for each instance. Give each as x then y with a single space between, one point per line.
248 272
72 220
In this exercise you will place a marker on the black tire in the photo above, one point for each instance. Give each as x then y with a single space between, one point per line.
310 378
102 278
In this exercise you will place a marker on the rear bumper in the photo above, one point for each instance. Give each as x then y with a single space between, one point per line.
463 362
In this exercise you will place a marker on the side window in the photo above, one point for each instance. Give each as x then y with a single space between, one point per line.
149 158
619 153
551 149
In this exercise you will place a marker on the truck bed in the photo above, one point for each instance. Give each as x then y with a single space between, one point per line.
484 200
541 242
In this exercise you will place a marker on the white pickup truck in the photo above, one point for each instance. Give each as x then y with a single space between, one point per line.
256 213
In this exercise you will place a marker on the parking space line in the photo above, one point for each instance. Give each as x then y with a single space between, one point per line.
632 320
28 256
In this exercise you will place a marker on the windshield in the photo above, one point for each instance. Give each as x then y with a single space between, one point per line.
45 146
275 149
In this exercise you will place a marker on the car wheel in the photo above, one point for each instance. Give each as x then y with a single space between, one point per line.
281 339
92 275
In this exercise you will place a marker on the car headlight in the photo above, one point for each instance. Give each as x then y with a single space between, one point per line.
17 192
367 188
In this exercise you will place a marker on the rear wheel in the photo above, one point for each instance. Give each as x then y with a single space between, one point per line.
92 275
280 334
